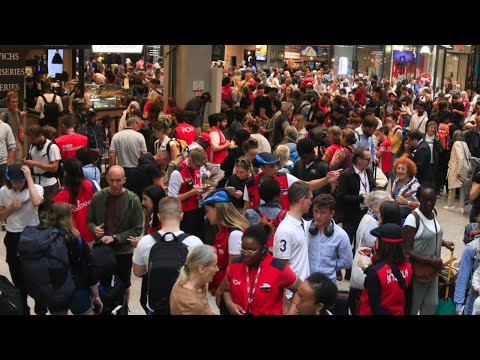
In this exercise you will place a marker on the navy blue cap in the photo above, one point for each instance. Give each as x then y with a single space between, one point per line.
14 173
389 233
216 197
265 158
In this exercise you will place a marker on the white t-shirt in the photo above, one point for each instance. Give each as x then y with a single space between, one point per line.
290 180
418 122
263 144
161 146
410 221
235 242
291 243
142 252
27 215
41 157
41 103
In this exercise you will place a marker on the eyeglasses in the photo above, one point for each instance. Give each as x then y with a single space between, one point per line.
248 252
367 158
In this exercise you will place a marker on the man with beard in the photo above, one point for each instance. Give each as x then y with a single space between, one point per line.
218 151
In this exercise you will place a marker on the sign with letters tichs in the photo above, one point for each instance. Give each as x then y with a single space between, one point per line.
12 73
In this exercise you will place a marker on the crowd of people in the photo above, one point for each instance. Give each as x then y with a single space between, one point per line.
268 208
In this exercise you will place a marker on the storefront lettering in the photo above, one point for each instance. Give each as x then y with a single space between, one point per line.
12 72
9 56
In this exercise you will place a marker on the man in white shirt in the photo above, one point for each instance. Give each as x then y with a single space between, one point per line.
420 118
43 159
170 214
125 149
40 105
290 243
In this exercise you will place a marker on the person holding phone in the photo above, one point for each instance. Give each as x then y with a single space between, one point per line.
185 185
19 202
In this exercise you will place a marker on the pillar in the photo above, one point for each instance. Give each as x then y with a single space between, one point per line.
188 64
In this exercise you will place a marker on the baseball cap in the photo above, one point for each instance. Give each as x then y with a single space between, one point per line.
265 158
216 197
391 233
393 93
14 173
205 136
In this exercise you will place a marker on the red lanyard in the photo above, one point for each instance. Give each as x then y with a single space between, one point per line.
251 292
364 184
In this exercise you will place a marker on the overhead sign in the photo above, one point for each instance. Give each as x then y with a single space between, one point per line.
424 77
12 73
118 48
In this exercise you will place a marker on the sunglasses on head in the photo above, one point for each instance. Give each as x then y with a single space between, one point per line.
242 162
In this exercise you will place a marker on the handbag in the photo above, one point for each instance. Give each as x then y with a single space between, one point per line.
466 172
357 276
424 272
381 180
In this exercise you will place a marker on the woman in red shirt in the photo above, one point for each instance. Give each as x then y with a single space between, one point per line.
77 192
256 281
334 136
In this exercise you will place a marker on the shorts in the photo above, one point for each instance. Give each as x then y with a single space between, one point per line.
79 303
125 268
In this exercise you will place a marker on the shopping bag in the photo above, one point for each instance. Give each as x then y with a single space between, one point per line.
381 180
446 305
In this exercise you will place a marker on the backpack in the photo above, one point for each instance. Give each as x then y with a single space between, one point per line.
172 165
110 288
293 155
57 174
471 232
444 133
164 263
44 260
51 111
10 298
181 145
275 222
318 135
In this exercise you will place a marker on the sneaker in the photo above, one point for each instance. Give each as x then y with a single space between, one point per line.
449 208
460 210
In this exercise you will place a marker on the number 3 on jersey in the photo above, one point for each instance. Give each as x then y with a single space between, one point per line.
283 245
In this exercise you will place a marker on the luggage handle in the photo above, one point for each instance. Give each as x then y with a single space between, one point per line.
449 272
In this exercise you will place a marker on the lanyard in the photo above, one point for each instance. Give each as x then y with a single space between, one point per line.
251 292
364 184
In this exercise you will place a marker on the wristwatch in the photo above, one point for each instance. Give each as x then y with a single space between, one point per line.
115 237
408 202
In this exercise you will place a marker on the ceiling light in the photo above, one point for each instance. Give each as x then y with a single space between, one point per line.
425 50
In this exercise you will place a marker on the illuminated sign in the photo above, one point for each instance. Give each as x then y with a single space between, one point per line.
118 48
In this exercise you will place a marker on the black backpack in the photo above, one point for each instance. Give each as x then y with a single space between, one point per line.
110 288
43 253
164 263
51 111
10 298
